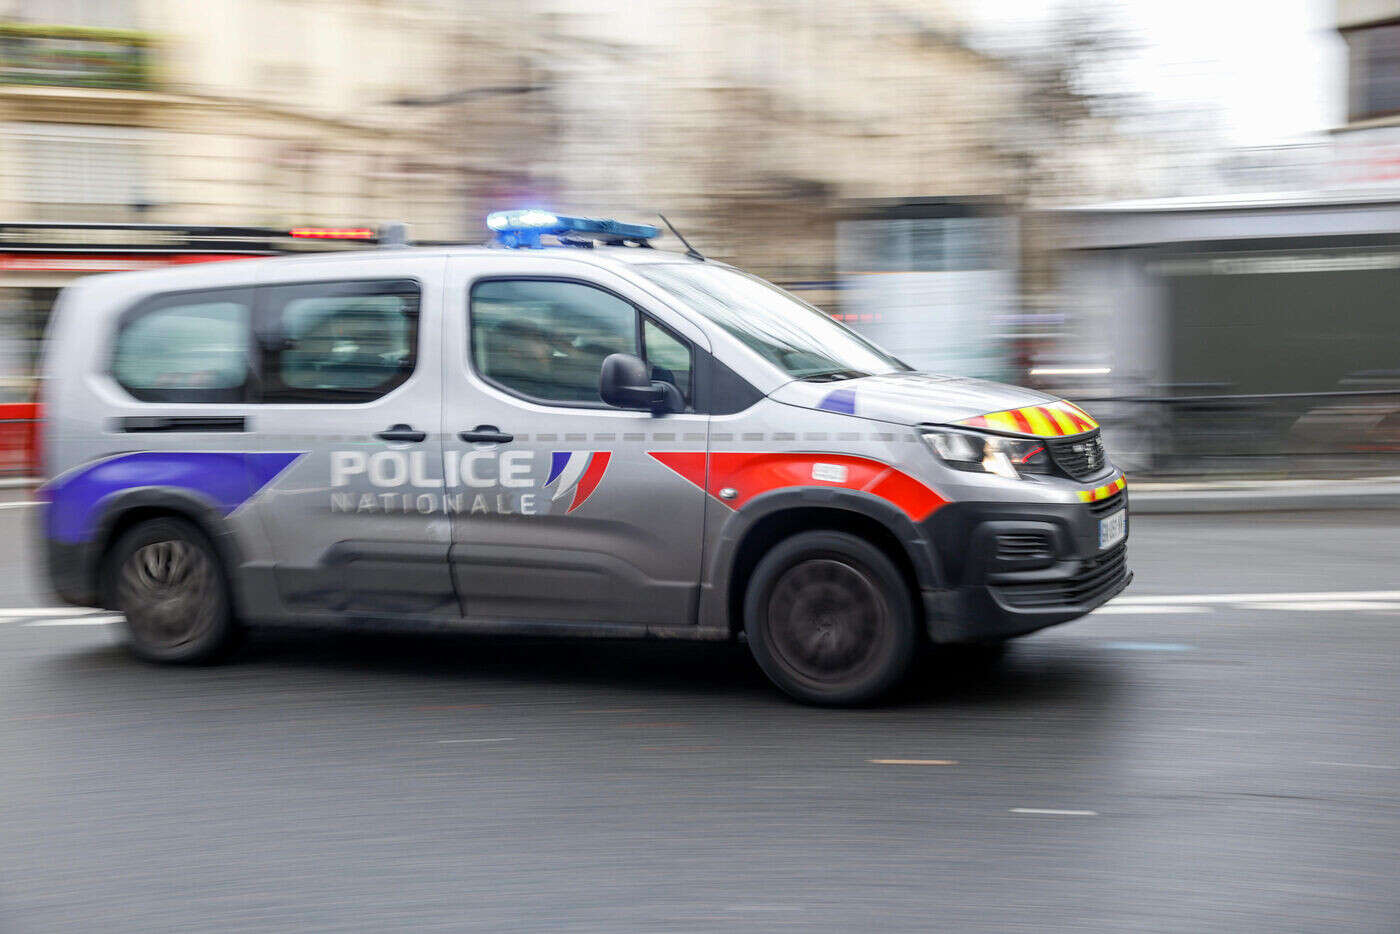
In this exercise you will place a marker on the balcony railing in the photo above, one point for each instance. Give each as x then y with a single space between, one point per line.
74 56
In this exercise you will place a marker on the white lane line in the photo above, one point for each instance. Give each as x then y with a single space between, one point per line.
1118 609
1326 606
26 612
102 620
1358 765
1214 598
498 739
1054 812
21 505
1149 646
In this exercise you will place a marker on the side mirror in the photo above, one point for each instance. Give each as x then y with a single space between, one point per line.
625 382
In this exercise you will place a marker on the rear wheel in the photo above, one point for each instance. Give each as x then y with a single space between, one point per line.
830 619
164 575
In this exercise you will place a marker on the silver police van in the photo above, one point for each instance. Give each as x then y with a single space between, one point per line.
578 435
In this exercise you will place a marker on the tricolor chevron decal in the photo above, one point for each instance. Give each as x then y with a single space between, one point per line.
1102 492
1052 420
578 472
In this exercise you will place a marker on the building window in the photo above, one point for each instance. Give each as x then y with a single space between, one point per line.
1373 70
186 347
338 342
72 172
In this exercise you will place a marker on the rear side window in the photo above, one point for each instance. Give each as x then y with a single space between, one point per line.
187 347
337 341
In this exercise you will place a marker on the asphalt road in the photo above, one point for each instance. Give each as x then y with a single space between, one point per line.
1218 753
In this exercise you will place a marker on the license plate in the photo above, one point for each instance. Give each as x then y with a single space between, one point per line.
1112 529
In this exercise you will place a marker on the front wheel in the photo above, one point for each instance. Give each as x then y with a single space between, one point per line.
164 575
830 619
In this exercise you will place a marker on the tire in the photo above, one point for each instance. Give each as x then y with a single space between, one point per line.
166 577
830 619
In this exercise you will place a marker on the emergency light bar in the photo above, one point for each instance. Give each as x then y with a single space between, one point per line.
523 229
332 233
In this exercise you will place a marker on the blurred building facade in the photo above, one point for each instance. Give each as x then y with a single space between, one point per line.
266 113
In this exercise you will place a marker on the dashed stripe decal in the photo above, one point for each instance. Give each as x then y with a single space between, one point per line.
1054 420
753 474
1103 492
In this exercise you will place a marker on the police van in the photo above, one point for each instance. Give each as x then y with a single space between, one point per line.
566 432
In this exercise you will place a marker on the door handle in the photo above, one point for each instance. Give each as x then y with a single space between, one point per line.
182 423
486 434
401 432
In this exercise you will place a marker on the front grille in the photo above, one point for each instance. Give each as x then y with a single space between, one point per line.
1023 546
1080 457
1098 576
1107 507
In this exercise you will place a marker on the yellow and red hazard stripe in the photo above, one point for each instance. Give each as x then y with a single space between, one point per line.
1103 492
1052 420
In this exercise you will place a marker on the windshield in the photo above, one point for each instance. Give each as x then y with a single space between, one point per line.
800 340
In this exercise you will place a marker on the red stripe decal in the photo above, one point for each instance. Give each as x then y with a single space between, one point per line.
689 464
753 474
590 479
1021 421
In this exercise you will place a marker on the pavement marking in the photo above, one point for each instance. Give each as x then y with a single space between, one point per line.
1148 646
1358 765
1054 812
495 739
1115 609
21 505
102 620
912 761
25 612
1210 598
1327 606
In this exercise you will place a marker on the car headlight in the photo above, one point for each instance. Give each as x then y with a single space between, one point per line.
985 453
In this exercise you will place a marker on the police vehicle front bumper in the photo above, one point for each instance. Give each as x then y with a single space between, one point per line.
1013 568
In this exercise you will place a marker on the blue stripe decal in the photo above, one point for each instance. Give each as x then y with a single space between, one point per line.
839 400
557 465
225 479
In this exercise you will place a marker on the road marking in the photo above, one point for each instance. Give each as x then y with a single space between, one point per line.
26 612
20 505
1210 598
1116 609
1056 813
102 620
1148 646
1326 606
496 739
913 761
1359 765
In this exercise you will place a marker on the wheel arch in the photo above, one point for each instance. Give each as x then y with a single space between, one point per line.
122 511
768 519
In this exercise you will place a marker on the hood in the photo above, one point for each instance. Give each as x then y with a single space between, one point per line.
910 398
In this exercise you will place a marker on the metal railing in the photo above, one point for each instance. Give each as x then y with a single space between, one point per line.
1345 432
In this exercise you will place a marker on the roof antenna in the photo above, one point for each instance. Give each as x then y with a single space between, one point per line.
689 250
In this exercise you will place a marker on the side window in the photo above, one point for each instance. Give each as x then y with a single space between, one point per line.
190 347
337 341
668 357
547 339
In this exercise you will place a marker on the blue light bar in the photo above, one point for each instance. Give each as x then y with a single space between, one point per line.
523 229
